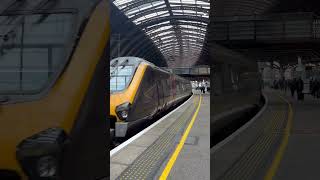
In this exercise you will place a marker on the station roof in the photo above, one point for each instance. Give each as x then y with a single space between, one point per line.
177 27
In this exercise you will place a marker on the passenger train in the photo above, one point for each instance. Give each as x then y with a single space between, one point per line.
139 91
52 89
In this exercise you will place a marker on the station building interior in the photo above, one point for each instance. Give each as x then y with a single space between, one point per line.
265 56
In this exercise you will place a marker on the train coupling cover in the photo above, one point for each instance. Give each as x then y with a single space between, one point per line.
121 129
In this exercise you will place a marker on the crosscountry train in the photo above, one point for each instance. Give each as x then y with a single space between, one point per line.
139 91
52 89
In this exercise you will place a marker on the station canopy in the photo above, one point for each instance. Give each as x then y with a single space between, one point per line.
177 27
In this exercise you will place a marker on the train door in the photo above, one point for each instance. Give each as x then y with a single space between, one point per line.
160 84
166 90
173 87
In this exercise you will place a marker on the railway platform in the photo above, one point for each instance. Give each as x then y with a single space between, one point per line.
174 147
280 142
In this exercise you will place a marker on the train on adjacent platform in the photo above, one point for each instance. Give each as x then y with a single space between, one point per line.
140 91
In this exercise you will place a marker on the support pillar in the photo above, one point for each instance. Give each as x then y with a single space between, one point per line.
222 78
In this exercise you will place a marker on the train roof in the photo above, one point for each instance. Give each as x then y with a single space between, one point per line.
135 61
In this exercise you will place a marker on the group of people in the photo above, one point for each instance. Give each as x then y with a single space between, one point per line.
315 87
203 86
295 85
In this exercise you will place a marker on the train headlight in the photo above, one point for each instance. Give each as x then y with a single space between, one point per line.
123 110
40 154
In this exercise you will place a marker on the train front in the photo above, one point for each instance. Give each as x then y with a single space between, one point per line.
44 70
126 73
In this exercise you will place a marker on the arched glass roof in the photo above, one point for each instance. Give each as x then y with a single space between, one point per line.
177 27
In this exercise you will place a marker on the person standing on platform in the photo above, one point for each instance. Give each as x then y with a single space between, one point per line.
285 85
300 86
200 86
311 87
292 86
206 85
315 88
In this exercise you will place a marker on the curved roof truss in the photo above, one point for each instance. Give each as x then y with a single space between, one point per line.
180 24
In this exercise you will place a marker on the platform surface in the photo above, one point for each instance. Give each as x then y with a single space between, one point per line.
280 146
302 156
147 156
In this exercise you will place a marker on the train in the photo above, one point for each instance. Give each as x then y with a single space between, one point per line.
139 91
53 89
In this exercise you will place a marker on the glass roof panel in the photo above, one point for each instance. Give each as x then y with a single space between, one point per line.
178 24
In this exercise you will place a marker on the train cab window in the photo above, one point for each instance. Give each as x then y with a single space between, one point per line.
33 50
120 77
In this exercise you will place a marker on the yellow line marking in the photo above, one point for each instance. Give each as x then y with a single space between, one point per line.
285 139
174 156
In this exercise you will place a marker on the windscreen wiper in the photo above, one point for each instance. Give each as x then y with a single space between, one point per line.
115 63
122 64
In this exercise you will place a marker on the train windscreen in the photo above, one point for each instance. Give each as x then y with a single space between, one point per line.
33 50
120 77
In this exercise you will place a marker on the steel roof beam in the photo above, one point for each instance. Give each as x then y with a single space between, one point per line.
154 9
175 45
194 51
137 3
162 37
173 40
134 4
182 28
174 17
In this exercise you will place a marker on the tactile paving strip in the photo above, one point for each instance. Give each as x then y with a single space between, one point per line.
252 159
147 164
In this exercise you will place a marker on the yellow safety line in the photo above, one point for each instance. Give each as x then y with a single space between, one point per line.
279 154
174 156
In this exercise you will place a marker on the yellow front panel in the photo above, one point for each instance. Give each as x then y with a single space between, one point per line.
59 108
128 94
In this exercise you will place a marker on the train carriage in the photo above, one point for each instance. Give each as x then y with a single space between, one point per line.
139 91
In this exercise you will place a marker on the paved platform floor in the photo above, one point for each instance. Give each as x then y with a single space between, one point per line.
194 159
147 156
299 156
302 156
